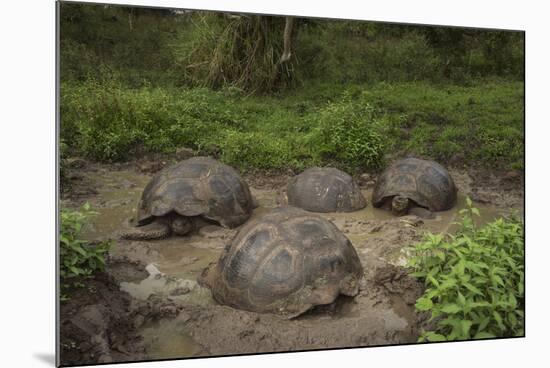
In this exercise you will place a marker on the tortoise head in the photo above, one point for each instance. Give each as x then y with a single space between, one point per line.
400 205
181 225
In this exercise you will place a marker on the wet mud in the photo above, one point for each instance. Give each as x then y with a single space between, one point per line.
173 317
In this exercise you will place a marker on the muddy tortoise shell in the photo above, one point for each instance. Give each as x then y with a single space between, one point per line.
285 261
425 182
199 186
325 190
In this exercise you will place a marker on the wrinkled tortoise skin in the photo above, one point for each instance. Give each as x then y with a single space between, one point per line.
425 182
199 186
325 190
285 262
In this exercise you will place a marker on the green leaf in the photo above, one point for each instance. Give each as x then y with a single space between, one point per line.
497 280
432 280
418 274
78 249
511 317
512 300
440 254
423 304
460 266
484 335
450 308
472 288
466 325
461 299
498 319
434 337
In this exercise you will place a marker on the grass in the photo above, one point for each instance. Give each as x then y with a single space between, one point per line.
355 127
483 124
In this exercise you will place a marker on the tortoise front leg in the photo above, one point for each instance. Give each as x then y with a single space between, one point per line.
157 229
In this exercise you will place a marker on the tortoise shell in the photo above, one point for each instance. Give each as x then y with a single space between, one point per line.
285 261
199 186
325 190
425 182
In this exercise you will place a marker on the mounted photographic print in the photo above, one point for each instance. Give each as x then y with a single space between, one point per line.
242 183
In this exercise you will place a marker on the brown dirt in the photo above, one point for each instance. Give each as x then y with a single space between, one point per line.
97 324
382 314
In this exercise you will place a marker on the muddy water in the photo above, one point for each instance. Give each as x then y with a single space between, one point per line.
169 339
173 264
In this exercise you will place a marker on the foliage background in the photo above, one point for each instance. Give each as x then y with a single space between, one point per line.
354 94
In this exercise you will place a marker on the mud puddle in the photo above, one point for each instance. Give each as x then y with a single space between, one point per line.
169 339
383 312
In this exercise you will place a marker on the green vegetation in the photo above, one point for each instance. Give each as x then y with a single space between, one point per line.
474 280
154 46
78 258
352 128
353 95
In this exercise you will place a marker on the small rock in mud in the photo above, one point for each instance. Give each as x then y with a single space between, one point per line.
412 220
160 307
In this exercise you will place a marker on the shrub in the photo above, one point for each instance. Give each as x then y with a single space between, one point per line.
109 122
350 134
240 51
350 127
474 280
78 258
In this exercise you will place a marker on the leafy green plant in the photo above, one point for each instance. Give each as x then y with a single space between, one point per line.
351 127
350 133
78 258
474 279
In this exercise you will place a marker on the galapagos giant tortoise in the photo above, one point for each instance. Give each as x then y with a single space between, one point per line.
285 261
190 193
325 190
415 186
